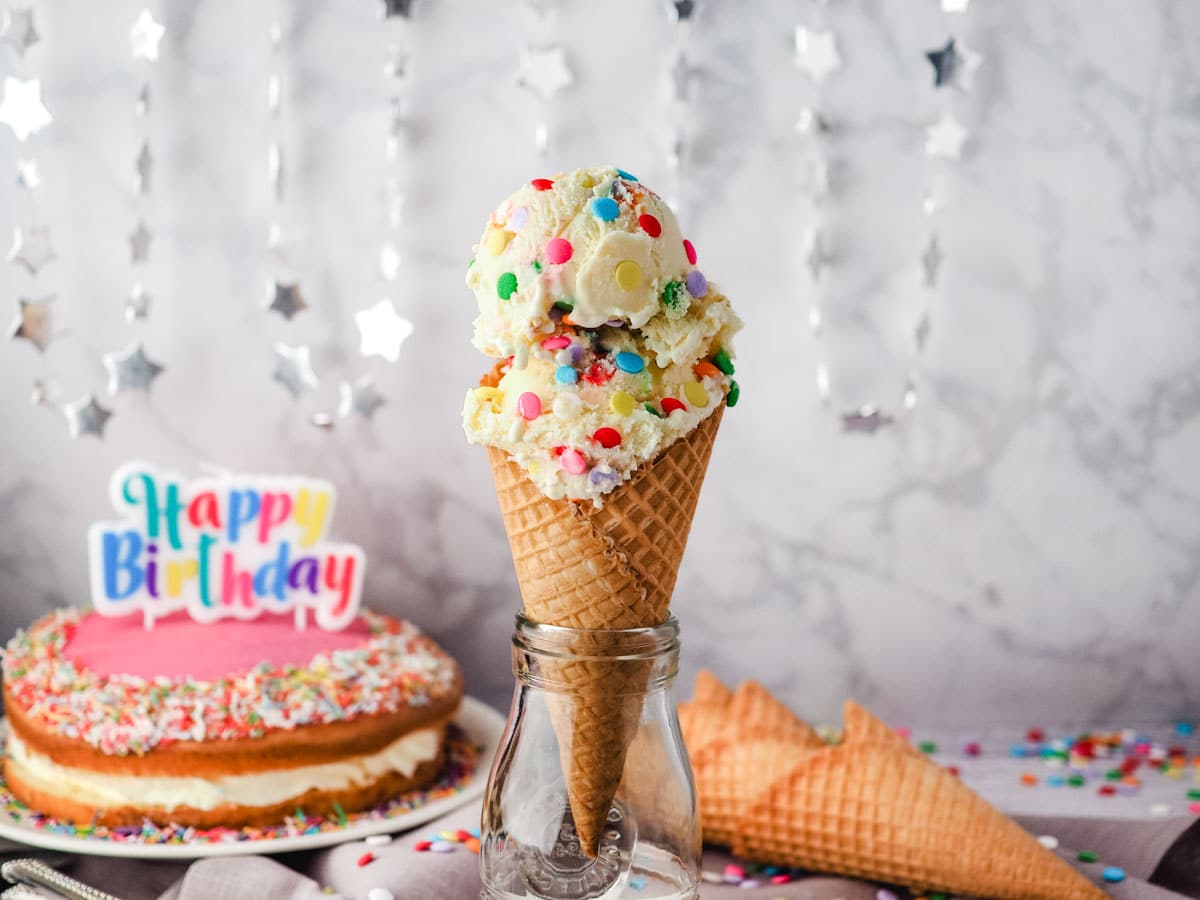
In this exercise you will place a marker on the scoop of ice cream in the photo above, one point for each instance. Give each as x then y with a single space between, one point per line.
613 345
594 244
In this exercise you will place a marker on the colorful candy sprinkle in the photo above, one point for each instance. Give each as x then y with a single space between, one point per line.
672 296
650 225
566 375
573 461
542 184
491 395
519 218
649 407
558 250
496 240
378 893
366 859
670 405
705 369
1113 874
735 393
607 438
1076 780
697 284
529 406
627 275
1049 841
422 846
884 894
605 208
621 173
506 285
927 747
629 362
622 403
696 394
1087 856
440 846
558 342
971 748
377 840
723 361
1028 779
690 251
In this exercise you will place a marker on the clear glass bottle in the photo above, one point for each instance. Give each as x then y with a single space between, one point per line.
581 698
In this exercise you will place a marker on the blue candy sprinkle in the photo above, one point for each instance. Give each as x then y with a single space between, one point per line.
1055 781
565 375
1184 729
1018 750
1113 874
629 362
638 882
605 208
622 173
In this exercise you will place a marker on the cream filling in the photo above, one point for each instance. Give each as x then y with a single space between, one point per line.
102 789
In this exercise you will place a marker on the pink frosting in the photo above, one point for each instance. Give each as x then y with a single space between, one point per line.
180 647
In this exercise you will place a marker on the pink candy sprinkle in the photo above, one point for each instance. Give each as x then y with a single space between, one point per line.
558 250
781 879
558 342
690 251
572 460
1194 808
366 859
529 405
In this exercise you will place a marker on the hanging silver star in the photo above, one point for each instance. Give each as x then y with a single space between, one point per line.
145 36
909 397
945 138
285 298
139 243
680 77
389 261
391 9
293 369
34 322
817 53
954 64
383 330
822 379
142 107
22 109
360 397
922 331
816 255
675 148
544 72
86 416
29 174
968 64
931 260
17 30
541 138
813 122
866 419
681 10
275 170
31 248
274 94
45 393
322 420
130 370
137 304
395 65
143 166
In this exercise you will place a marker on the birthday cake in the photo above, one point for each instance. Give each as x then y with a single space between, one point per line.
196 692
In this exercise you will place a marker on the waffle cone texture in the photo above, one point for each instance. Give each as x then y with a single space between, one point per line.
870 807
600 569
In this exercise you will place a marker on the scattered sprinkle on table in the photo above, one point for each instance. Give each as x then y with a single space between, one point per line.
1113 874
1087 856
366 859
1049 841
378 893
885 894
378 840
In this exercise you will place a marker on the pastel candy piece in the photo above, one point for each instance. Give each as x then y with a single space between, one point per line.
650 225
628 275
566 375
558 342
697 284
491 395
519 217
542 184
496 240
622 403
573 461
605 208
629 362
529 405
506 285
695 393
623 174
558 250
690 251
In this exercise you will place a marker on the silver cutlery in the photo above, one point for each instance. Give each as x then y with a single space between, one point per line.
35 872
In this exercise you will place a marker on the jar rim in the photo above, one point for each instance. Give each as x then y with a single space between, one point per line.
645 642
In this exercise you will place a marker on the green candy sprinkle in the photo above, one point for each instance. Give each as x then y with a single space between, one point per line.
506 285
1114 774
470 262
654 412
564 305
927 747
1087 856
537 266
672 295
722 361
1194 794
1076 781
735 392
341 813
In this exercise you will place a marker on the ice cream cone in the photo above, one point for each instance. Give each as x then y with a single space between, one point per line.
602 568
754 707
709 689
871 809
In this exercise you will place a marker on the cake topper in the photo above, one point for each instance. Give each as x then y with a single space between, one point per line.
231 546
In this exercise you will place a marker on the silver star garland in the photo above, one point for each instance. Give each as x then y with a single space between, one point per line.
680 76
293 369
18 30
360 397
31 248
86 417
21 108
544 71
130 370
34 322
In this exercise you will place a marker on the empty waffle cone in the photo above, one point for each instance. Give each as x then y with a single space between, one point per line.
869 809
602 568
709 689
754 707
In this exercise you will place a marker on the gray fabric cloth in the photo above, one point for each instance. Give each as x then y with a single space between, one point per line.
1161 859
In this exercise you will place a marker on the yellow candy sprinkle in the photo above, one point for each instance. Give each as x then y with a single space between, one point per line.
628 274
496 241
492 395
695 393
622 403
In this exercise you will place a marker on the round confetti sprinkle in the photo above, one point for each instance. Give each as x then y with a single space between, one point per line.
1087 856
622 403
650 225
735 393
1194 794
1055 781
519 218
1029 779
607 438
542 184
558 250
927 747
491 395
573 461
627 274
621 173
442 847
751 883
723 361
566 375
697 284
670 405
690 251
734 871
1035 735
1049 841
672 296
1076 780
972 748
558 342
1184 729
885 894
1107 790
422 846
638 882
377 840
1158 810
506 285
696 394
1194 807
1113 874
705 369
603 477
496 241
629 362
366 859
378 893
605 208
529 405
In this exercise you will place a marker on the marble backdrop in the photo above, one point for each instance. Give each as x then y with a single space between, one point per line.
1023 547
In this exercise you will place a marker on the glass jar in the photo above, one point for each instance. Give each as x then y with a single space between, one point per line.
591 794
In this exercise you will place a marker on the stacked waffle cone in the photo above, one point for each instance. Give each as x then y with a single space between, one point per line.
599 569
871 806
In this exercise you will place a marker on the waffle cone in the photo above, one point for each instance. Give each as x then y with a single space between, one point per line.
868 809
709 689
602 568
753 706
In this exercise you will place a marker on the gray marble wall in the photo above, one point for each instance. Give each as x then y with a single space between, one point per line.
1023 546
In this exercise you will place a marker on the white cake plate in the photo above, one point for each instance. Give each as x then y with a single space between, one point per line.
483 725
